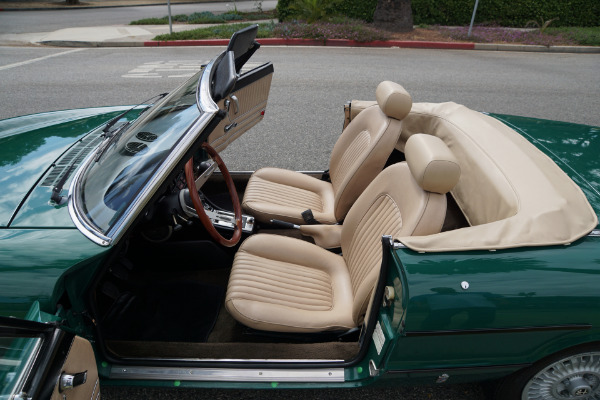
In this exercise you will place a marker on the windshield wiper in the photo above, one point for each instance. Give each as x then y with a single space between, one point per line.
118 117
56 197
111 136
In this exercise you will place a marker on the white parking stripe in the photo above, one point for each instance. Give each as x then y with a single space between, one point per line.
34 60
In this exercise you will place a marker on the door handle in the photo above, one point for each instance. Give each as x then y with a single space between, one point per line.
69 381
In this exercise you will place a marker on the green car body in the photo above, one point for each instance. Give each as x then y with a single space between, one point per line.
449 316
528 302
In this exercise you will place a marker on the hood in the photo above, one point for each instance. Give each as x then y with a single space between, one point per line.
574 148
29 147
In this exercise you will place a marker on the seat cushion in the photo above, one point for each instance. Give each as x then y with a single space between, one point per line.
283 284
274 193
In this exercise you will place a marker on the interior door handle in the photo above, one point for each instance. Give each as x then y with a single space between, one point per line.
69 381
236 104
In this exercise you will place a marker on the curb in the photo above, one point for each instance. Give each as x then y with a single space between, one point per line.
385 44
336 43
313 42
539 49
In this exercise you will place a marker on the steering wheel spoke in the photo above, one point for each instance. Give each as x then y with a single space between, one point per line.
192 184
203 177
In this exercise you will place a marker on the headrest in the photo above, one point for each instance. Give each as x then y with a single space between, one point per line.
393 99
431 162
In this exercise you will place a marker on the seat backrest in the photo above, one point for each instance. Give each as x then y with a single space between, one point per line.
405 199
363 148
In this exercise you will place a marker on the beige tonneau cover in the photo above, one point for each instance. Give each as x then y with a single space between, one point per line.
511 193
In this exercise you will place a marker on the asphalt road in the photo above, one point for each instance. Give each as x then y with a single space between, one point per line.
51 20
310 85
304 117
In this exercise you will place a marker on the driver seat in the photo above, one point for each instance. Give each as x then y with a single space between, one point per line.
358 156
282 284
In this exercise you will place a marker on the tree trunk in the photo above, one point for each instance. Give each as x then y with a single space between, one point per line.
394 15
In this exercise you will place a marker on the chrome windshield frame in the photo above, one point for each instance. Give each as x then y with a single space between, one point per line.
208 109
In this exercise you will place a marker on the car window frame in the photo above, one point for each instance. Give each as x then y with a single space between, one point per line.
208 109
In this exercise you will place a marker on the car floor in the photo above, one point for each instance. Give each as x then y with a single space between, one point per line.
174 308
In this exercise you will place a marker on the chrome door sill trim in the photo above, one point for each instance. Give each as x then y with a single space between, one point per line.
228 374
251 360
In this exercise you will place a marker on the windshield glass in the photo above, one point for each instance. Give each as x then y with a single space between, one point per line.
112 182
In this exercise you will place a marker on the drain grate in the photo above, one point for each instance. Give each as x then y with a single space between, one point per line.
74 156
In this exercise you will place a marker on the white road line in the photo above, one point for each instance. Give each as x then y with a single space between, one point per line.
34 60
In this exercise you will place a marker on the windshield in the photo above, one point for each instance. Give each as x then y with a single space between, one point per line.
113 180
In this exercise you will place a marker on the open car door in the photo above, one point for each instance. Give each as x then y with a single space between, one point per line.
41 361
243 96
245 106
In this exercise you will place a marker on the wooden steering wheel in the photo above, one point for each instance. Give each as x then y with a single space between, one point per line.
237 208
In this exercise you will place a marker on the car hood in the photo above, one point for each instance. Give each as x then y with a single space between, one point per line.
29 148
573 147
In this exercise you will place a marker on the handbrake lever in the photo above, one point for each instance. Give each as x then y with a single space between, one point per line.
283 224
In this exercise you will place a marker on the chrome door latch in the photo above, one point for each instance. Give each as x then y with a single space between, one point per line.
68 381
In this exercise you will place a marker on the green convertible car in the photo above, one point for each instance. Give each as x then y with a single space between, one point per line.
442 245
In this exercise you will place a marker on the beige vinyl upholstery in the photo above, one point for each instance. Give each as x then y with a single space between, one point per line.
287 285
511 193
357 157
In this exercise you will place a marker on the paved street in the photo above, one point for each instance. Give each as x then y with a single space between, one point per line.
304 115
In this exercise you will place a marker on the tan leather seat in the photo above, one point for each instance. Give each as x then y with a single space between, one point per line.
357 157
287 285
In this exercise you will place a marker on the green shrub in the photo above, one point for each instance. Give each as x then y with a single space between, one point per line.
151 21
356 9
458 12
341 29
507 12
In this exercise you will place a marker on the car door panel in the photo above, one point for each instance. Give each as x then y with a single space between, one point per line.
245 106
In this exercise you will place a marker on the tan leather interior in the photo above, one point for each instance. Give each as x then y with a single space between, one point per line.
432 163
80 359
288 285
325 236
393 100
243 114
357 157
283 194
511 193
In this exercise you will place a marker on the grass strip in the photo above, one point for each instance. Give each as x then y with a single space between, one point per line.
589 36
265 30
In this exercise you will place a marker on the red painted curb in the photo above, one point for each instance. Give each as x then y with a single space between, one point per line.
328 42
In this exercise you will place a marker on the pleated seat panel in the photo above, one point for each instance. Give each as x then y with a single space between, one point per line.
283 284
282 194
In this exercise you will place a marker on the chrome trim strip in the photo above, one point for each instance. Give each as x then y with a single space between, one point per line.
203 98
254 360
594 233
227 374
399 245
209 109
79 219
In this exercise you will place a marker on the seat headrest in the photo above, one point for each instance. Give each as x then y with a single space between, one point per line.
393 99
431 163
